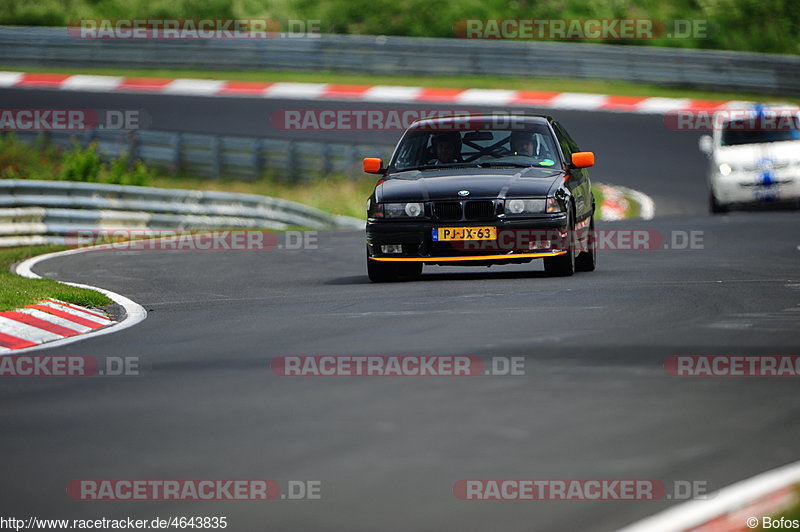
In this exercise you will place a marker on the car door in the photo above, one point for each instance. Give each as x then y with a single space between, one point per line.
578 182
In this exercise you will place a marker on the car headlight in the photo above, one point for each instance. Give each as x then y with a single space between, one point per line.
403 210
725 169
524 206
553 205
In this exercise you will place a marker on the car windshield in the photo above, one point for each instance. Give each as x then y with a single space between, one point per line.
736 132
439 147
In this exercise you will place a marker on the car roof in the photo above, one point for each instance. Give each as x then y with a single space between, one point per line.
487 119
743 109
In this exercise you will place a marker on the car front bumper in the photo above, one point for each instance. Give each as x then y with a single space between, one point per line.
746 189
512 245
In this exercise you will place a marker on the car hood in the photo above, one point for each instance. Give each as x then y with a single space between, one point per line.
750 153
445 184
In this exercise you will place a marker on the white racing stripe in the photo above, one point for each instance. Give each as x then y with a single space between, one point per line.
55 320
26 332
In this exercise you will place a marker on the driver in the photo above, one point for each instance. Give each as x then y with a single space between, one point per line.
522 143
447 148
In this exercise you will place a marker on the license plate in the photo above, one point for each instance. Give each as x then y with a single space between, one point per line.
464 233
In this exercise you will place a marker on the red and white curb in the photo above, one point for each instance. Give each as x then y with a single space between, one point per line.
739 507
46 321
52 323
364 93
617 203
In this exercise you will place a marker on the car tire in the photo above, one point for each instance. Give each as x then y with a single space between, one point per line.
563 265
714 206
387 272
587 260
381 272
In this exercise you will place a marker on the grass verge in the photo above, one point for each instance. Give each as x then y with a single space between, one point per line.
790 514
16 291
40 160
620 88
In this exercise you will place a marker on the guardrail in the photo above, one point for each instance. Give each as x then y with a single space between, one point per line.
46 212
215 156
752 72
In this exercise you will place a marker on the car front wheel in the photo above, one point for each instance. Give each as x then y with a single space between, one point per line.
587 260
563 265
386 272
714 206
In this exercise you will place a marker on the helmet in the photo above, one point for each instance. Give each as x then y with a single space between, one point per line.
453 137
521 136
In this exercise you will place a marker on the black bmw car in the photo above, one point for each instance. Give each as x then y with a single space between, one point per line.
481 190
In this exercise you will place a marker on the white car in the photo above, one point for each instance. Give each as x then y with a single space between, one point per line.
754 152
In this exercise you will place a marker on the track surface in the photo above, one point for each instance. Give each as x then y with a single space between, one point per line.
595 403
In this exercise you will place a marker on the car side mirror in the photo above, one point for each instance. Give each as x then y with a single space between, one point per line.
706 144
583 159
373 165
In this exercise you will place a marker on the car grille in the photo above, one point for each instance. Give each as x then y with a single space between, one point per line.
479 210
469 210
447 210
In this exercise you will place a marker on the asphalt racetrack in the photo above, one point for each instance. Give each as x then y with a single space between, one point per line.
595 401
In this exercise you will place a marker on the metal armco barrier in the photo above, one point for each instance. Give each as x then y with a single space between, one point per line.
214 156
42 212
715 69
